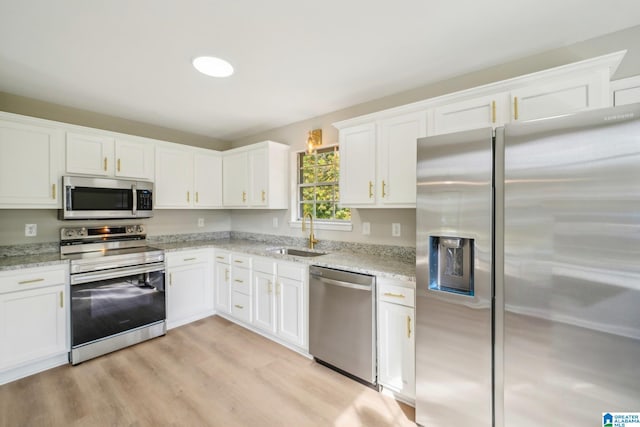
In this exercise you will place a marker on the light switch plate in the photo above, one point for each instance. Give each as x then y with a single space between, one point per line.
395 229
200 222
275 222
31 230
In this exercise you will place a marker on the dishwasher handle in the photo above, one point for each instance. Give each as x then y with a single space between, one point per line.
341 283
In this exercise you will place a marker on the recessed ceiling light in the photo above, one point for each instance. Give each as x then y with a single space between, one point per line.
212 66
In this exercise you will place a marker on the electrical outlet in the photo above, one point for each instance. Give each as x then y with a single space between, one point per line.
31 230
395 229
366 228
275 222
200 222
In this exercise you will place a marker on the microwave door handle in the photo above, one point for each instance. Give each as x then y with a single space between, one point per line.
134 190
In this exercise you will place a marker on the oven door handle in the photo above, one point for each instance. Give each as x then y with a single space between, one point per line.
77 279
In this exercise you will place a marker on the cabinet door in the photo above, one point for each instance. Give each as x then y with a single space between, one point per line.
264 301
33 325
625 91
223 287
235 179
290 296
397 348
30 164
90 154
259 171
207 180
477 113
173 178
134 159
358 165
188 295
581 92
397 158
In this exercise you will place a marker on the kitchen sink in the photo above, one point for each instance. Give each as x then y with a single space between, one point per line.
295 252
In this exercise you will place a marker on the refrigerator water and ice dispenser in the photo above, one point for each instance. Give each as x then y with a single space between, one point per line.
451 264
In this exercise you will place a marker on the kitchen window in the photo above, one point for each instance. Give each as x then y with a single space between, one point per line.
318 187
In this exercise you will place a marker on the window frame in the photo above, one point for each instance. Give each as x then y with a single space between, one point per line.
319 223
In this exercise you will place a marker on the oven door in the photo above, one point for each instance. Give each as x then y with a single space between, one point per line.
107 303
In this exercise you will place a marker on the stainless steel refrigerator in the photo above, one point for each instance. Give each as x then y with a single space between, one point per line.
528 272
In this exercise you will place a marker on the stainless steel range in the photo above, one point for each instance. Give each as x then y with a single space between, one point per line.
117 288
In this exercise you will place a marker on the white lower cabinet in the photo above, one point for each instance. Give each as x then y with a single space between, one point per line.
241 287
34 309
222 282
396 338
190 286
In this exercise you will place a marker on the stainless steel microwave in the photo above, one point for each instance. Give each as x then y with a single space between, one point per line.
97 198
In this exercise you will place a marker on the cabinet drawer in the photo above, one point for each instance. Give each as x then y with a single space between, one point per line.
263 265
241 280
241 260
240 306
292 271
222 256
396 294
22 280
176 259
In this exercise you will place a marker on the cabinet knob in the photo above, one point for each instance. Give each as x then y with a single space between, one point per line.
384 189
370 190
244 196
515 108
188 198
264 195
408 326
53 191
118 166
105 164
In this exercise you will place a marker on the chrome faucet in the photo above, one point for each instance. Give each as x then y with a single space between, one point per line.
312 238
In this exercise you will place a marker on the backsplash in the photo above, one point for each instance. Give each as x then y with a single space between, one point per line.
400 253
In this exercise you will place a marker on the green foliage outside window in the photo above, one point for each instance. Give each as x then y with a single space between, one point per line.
318 189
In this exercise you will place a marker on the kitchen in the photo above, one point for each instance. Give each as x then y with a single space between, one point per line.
377 217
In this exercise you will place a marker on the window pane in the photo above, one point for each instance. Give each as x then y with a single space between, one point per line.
318 191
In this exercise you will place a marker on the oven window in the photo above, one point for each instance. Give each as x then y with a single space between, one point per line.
101 199
108 307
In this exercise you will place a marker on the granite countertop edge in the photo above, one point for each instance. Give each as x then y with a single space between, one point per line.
377 265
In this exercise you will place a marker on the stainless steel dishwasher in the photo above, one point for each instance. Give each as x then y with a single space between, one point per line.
342 325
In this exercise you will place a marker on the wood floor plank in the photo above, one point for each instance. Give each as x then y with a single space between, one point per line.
208 373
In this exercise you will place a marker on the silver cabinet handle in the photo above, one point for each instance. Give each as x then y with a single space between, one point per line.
342 284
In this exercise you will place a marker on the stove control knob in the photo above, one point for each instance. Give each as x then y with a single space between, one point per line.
140 229
82 232
70 232
130 229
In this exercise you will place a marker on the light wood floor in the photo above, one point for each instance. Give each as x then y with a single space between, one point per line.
208 373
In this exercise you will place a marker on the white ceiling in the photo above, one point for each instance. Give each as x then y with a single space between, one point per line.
294 59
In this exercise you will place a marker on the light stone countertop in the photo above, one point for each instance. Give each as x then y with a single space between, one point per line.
357 261
30 261
367 263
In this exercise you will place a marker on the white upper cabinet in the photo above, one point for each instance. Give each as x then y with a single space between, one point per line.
235 169
256 176
187 177
377 151
134 159
31 162
562 96
378 161
357 165
207 180
625 91
484 111
397 159
103 155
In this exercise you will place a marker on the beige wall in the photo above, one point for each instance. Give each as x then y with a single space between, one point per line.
164 222
46 110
